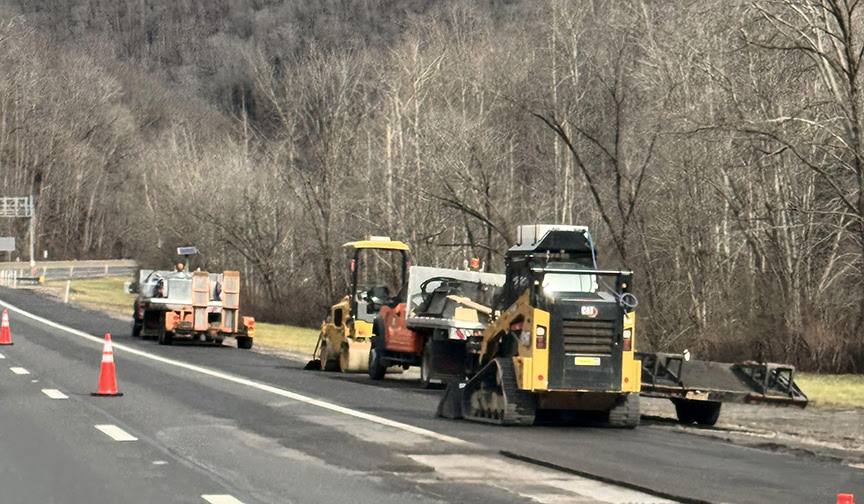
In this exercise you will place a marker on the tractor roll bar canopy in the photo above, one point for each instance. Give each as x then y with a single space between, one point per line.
377 242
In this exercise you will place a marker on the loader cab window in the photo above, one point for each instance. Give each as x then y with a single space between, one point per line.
554 283
379 278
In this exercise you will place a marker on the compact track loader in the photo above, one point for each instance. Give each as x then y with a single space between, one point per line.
563 338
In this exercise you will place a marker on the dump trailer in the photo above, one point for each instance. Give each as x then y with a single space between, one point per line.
563 339
378 267
195 306
698 388
439 326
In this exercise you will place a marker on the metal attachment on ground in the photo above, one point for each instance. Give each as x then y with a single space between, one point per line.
5 333
107 377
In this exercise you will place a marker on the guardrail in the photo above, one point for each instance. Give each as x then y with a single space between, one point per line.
18 274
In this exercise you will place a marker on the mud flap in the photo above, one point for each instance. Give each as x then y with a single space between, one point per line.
451 403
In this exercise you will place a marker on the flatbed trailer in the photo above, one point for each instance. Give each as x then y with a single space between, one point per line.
698 388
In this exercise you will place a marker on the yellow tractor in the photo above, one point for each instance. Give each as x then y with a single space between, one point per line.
379 268
562 339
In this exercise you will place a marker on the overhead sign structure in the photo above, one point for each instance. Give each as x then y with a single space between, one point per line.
16 207
7 244
186 251
19 207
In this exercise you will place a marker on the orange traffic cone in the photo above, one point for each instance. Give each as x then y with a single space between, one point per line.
845 499
5 334
107 378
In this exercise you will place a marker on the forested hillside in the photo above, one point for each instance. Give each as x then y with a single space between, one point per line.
713 146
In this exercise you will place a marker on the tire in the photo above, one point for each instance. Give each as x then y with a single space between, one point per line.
626 413
243 342
427 366
685 410
707 413
165 337
377 366
327 365
377 369
137 325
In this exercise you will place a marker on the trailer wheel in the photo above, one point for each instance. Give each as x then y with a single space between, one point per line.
701 412
685 411
165 337
426 366
707 413
243 342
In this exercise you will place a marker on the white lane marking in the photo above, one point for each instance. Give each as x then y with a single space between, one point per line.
116 433
19 370
249 383
2 356
53 393
221 499
159 462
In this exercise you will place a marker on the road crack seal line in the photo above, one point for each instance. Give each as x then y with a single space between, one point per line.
249 383
603 479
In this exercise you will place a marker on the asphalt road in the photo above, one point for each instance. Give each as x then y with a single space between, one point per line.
246 426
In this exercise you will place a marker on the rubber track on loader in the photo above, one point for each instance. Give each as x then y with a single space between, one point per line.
485 400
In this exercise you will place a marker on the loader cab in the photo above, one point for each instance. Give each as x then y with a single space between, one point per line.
379 275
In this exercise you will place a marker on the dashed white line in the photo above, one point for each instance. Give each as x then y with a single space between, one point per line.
116 433
19 370
2 356
54 393
221 499
249 383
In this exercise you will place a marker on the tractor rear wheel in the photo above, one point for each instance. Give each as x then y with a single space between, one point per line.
244 342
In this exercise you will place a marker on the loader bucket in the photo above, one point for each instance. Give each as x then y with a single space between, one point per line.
354 357
451 403
315 363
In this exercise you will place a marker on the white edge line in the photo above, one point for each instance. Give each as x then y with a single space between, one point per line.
116 433
250 383
221 499
54 393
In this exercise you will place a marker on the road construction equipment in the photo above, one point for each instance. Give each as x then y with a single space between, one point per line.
698 388
379 269
190 305
564 338
438 327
